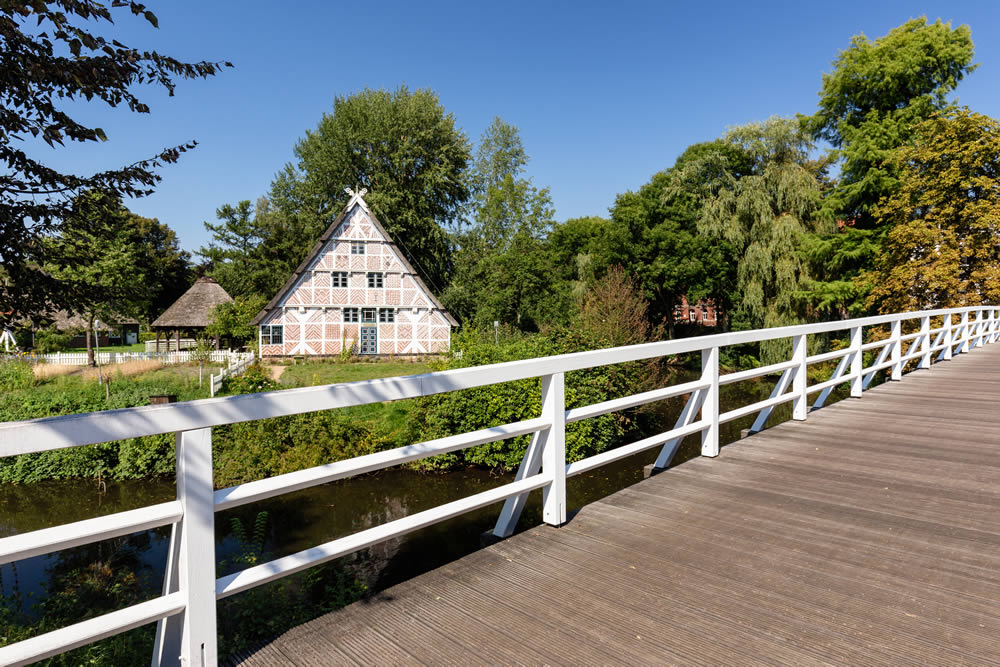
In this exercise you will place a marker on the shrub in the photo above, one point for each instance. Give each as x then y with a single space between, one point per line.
15 374
127 459
266 447
472 409
254 379
52 340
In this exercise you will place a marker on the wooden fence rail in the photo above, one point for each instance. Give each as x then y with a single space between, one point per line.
186 611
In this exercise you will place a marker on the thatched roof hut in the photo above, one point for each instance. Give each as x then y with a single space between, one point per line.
194 309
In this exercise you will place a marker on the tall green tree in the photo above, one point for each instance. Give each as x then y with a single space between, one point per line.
502 271
581 250
231 320
877 93
96 255
763 215
943 249
51 55
166 267
656 236
400 145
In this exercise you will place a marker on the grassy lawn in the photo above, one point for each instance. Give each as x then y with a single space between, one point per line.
390 417
138 347
314 373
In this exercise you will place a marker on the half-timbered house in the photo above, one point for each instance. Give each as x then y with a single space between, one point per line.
355 291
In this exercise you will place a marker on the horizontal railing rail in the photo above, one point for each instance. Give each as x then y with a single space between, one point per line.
185 612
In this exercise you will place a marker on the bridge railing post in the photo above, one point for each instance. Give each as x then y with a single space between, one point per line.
980 327
948 344
857 361
190 638
800 380
963 339
897 350
710 406
925 342
554 449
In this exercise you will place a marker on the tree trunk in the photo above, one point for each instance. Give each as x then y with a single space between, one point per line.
90 342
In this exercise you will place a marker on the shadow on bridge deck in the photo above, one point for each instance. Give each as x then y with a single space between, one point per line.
868 534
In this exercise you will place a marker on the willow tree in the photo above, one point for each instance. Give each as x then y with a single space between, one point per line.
763 213
944 247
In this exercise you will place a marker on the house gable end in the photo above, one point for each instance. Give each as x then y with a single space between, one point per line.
311 284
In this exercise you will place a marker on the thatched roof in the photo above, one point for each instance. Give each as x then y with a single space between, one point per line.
194 309
67 321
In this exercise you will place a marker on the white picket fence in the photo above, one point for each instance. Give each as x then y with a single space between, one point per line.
104 358
186 611
236 367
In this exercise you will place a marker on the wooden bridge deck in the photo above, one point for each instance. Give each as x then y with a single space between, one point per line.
869 534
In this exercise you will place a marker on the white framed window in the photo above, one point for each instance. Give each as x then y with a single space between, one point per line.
367 314
338 279
350 314
386 315
357 247
375 281
272 334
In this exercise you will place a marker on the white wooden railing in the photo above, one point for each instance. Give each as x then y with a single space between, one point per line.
170 345
103 358
237 366
185 612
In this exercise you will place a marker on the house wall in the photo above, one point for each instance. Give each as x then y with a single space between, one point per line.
702 312
312 312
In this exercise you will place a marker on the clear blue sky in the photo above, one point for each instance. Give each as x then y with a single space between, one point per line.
605 94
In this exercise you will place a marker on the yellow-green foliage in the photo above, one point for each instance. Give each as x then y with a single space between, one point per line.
15 374
942 248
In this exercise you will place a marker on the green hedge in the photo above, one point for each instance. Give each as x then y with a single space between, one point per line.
472 409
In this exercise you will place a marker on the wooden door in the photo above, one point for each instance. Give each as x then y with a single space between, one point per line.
369 340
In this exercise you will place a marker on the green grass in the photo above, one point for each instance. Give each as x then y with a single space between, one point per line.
137 347
390 417
315 373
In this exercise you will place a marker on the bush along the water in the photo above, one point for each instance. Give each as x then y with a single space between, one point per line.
482 407
266 447
256 449
134 458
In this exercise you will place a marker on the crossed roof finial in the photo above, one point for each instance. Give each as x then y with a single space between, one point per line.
360 193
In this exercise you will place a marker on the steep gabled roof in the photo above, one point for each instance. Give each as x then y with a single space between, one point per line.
355 200
195 307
